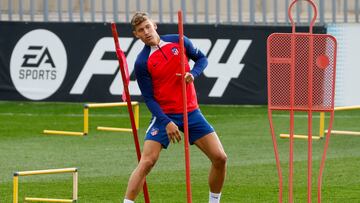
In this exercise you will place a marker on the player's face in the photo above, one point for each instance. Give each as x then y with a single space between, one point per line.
146 31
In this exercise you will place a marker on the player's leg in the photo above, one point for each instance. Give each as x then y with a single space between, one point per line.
212 147
150 155
203 135
155 139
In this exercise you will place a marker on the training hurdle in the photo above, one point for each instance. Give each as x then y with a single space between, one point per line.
321 130
322 126
74 172
134 104
343 132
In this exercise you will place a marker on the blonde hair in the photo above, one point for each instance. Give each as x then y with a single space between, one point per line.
138 18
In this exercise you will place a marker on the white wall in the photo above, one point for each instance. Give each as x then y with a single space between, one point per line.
347 92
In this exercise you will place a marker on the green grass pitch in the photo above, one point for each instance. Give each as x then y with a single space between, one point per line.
106 159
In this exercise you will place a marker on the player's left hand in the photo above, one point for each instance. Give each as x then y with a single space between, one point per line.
189 78
173 132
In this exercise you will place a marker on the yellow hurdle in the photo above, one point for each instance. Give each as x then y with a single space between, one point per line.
321 130
344 132
322 126
135 105
74 171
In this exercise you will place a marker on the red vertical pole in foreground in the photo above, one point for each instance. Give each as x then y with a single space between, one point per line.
186 127
124 75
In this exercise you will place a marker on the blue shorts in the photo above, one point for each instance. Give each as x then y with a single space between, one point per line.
198 127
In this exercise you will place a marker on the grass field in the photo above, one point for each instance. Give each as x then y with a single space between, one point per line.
106 159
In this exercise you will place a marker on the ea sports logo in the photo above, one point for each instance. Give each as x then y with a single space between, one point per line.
38 64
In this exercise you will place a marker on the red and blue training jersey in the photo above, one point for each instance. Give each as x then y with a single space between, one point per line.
157 70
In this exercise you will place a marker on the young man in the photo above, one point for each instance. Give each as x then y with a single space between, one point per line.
157 69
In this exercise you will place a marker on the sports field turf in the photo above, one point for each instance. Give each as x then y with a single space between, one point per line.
106 159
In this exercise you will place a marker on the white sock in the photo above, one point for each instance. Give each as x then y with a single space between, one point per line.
214 197
128 201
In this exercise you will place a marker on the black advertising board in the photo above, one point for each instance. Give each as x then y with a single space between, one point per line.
76 62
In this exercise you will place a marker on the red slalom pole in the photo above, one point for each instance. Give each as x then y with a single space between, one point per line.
125 78
186 127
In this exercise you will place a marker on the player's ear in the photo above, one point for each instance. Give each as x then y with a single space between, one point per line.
135 34
155 26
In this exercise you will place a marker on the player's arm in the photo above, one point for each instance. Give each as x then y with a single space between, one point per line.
197 56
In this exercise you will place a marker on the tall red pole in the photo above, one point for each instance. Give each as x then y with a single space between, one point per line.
186 127
124 75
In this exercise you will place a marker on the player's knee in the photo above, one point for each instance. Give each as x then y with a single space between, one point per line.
147 164
220 160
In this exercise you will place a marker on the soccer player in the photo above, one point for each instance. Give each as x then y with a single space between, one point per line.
157 69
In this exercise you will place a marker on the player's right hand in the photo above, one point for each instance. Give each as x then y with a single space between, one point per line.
173 132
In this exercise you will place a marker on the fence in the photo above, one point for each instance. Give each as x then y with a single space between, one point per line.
164 11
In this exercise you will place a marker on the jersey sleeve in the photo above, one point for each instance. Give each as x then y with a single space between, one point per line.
145 84
197 56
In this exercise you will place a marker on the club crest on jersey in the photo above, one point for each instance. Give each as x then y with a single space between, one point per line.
154 131
175 51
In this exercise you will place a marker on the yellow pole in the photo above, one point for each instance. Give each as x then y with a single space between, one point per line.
136 109
86 120
343 132
59 132
300 136
75 186
48 171
15 188
342 108
322 124
36 199
111 104
102 105
114 129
